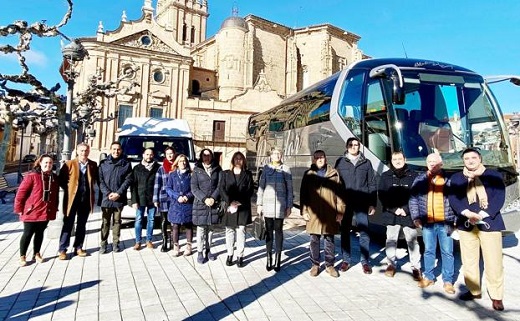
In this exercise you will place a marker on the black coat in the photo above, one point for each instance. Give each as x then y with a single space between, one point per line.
142 184
360 183
115 176
237 188
394 193
202 187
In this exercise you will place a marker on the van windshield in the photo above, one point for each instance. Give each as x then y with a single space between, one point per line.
133 146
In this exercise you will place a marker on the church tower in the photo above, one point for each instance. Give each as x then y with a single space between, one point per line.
231 43
186 18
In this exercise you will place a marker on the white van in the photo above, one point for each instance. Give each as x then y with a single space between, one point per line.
139 133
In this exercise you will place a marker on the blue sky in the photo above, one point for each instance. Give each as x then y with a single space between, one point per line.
480 35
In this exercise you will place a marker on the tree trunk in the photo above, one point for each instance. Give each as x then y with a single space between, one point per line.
4 145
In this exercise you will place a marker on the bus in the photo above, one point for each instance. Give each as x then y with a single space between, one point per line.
395 104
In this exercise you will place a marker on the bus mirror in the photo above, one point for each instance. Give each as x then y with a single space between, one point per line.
392 72
397 90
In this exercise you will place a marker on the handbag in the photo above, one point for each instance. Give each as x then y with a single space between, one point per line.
259 228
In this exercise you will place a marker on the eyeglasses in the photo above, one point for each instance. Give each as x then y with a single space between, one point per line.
353 145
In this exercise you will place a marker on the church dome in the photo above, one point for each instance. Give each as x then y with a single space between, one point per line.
235 22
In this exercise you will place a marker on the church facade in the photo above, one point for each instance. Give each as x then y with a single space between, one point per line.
250 65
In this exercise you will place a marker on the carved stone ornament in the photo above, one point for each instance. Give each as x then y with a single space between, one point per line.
145 40
261 83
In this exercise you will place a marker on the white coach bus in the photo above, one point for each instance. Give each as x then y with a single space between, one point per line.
410 105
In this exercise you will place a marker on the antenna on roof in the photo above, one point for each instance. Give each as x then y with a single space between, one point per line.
404 49
234 11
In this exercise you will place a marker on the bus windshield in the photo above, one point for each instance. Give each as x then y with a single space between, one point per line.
447 113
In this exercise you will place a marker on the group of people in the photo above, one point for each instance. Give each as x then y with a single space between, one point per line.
468 201
332 197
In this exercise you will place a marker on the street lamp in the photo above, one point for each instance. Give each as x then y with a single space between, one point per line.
72 53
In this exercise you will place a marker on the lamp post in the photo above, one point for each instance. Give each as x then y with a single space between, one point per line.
73 52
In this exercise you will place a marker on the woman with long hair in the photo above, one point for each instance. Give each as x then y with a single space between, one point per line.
179 190
274 202
204 186
36 202
236 189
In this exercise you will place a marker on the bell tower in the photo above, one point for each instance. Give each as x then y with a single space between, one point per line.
186 18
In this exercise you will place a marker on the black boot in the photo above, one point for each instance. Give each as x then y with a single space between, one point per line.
277 261
229 260
240 262
269 265
165 242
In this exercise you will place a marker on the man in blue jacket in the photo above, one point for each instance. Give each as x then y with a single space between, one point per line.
431 211
115 176
477 195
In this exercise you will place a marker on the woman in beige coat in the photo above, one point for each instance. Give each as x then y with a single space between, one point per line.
322 208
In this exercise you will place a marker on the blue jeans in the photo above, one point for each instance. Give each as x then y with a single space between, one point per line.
431 233
364 239
139 214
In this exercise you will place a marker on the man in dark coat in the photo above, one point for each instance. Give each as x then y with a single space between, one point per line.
115 176
143 179
360 196
477 194
394 194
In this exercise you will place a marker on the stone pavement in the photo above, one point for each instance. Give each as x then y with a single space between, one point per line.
150 285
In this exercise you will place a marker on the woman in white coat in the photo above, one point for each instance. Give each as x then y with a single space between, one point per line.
274 202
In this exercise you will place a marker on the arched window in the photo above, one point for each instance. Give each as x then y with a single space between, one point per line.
192 38
184 32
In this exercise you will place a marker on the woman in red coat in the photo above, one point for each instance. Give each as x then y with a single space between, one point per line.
37 203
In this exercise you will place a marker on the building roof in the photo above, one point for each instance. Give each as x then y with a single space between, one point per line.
235 22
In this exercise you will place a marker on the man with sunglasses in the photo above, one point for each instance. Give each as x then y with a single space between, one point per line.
360 196
476 195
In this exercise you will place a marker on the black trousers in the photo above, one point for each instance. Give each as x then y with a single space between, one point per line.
273 226
30 229
81 210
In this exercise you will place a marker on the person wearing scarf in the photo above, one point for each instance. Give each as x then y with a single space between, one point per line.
178 188
274 202
205 189
142 188
477 194
160 197
322 208
430 210
36 203
394 194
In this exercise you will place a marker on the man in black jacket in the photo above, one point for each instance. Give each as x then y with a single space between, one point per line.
143 179
115 176
358 177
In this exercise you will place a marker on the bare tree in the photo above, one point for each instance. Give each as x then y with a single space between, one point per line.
13 102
